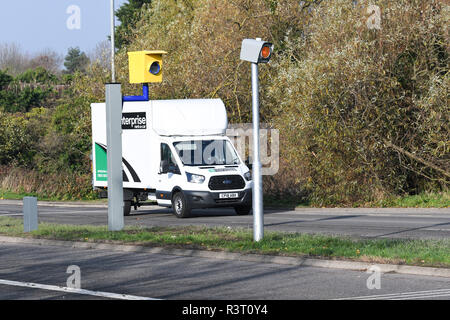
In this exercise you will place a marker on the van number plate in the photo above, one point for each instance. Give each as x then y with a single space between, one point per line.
228 195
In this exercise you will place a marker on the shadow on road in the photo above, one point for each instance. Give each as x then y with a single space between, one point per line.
322 219
409 230
197 213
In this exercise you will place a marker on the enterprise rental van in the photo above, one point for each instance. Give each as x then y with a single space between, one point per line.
174 152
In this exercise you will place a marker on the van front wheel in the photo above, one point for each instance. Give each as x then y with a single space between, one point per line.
180 206
242 210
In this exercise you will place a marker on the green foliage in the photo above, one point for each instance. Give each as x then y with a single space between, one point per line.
19 99
15 140
38 75
5 79
355 104
76 60
57 185
423 200
29 98
128 14
66 144
28 90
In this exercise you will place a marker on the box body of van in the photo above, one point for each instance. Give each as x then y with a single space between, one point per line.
176 153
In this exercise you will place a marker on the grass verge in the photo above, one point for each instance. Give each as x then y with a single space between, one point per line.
287 201
423 200
10 195
434 253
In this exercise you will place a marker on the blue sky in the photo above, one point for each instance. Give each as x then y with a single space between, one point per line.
39 24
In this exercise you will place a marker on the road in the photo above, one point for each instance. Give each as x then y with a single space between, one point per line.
358 222
174 277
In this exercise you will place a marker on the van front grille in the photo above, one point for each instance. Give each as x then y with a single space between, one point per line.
229 182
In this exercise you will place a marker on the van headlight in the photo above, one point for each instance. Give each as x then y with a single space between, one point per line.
248 176
195 178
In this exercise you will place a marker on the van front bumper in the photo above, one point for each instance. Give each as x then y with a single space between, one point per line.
207 199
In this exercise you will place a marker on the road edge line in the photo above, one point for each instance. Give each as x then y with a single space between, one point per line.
103 294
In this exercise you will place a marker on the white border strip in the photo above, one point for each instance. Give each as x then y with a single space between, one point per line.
72 290
405 295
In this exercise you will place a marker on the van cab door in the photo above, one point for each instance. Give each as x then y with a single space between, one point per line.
169 174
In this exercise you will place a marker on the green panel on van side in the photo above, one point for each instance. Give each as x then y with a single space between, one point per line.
101 164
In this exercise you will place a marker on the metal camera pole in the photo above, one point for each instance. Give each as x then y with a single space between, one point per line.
113 49
113 104
256 51
258 213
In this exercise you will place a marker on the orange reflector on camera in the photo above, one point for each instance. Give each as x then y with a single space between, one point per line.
265 52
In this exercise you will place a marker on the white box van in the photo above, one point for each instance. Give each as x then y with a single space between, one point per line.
174 152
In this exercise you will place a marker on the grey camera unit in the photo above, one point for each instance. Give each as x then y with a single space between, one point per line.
256 51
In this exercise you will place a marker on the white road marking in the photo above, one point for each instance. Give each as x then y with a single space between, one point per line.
405 295
424 297
71 290
360 214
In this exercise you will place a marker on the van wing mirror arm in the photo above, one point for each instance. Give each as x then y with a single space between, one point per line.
248 164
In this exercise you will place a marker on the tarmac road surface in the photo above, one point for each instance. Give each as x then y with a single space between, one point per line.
160 276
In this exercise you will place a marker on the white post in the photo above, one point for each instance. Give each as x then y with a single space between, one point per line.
258 213
113 44
30 214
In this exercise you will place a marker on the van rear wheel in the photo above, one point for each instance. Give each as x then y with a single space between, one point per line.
180 206
126 207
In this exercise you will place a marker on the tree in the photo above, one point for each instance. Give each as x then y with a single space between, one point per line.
47 59
5 79
26 91
101 55
128 15
13 59
76 60
16 61
38 75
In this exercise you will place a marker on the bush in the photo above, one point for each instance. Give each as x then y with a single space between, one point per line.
71 131
38 75
5 79
366 111
15 141
31 89
60 185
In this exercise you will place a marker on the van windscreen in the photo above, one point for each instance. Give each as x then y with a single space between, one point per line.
206 152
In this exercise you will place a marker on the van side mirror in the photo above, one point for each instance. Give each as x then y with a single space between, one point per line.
164 166
248 164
